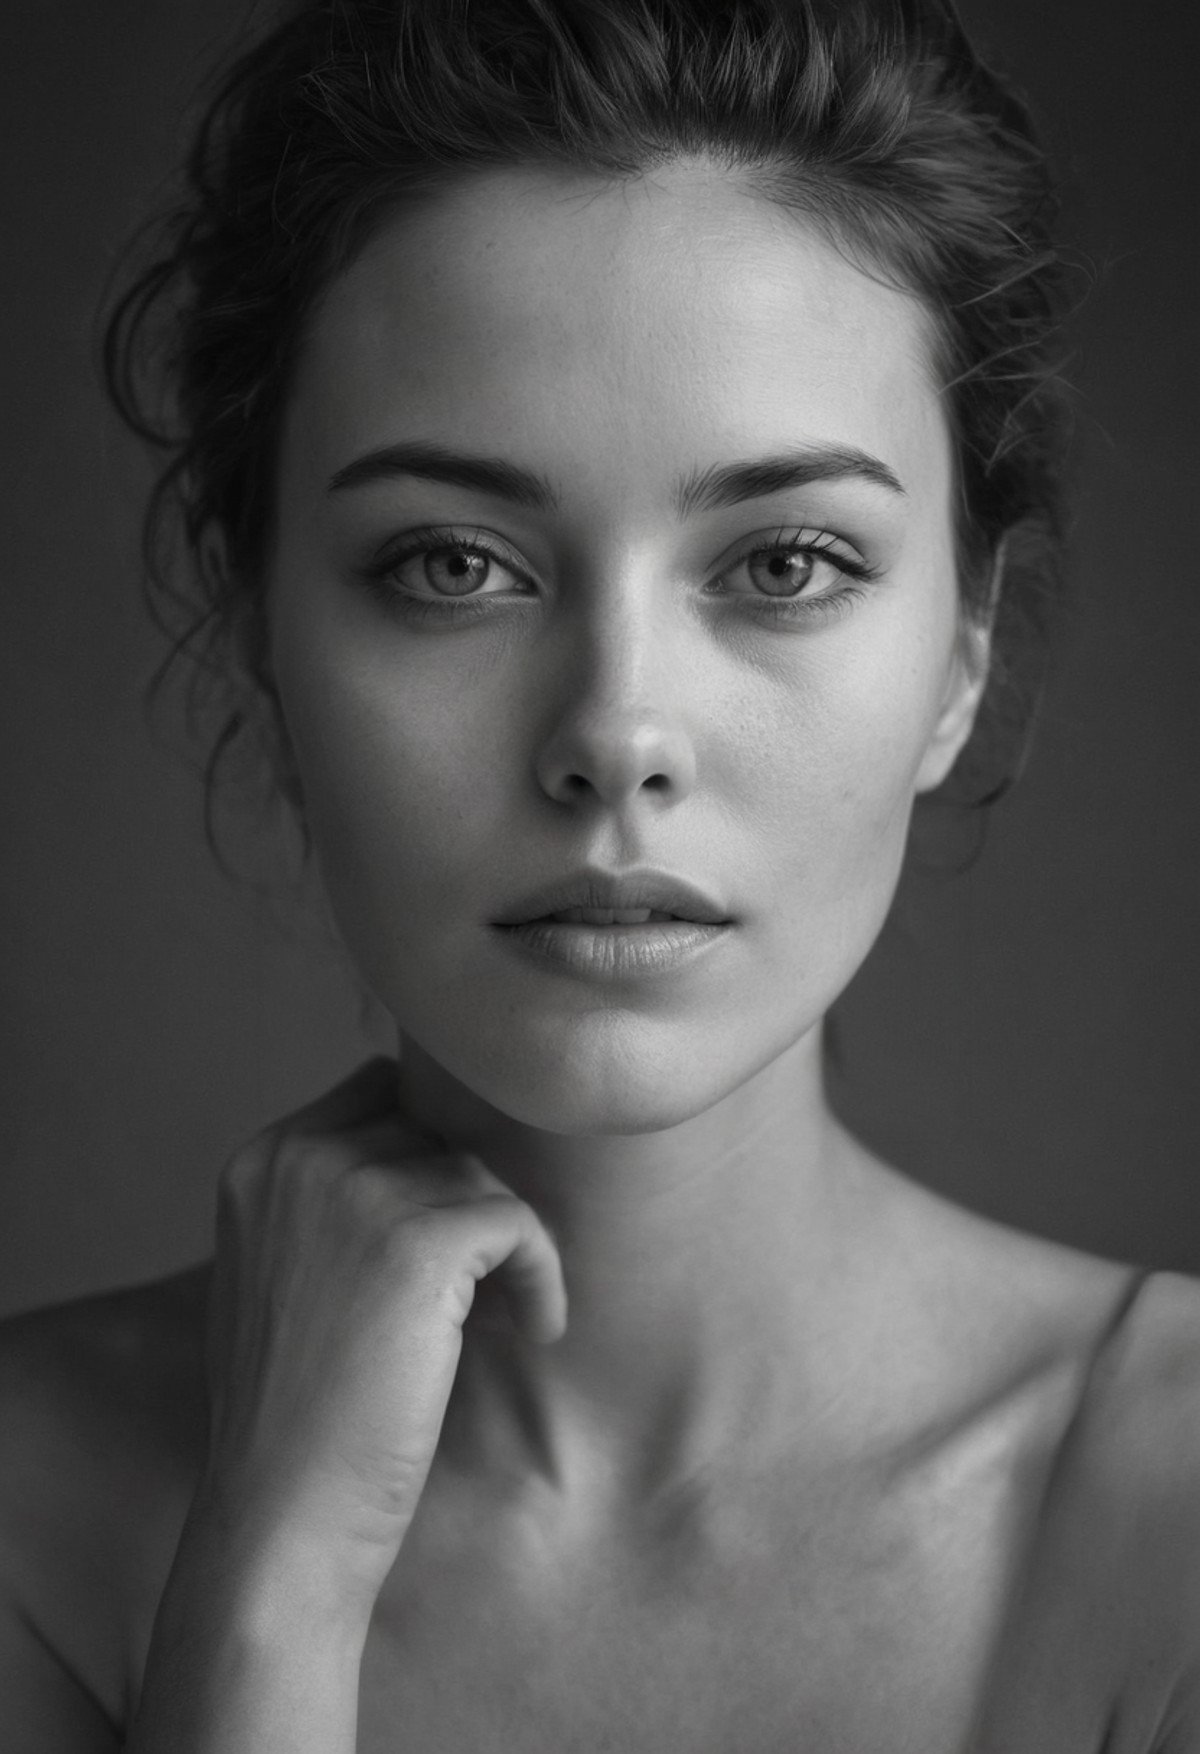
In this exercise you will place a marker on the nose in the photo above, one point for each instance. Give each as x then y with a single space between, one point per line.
618 733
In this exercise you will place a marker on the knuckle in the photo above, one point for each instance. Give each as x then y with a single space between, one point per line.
373 1187
362 1196
310 1159
418 1256
510 1208
242 1172
293 1154
428 1241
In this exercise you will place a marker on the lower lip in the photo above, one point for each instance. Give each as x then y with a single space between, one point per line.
614 952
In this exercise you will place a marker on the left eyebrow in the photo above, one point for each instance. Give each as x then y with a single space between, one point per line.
729 484
722 484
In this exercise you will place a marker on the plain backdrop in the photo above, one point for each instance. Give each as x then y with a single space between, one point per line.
1024 1037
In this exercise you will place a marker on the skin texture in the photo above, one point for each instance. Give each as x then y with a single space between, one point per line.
613 340
581 1383
607 712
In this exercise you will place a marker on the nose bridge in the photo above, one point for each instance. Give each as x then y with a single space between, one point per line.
618 633
617 728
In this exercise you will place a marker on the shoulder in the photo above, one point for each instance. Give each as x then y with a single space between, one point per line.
102 1422
1121 1346
1098 1643
1138 1436
1138 1423
86 1386
109 1331
1119 1543
1092 1368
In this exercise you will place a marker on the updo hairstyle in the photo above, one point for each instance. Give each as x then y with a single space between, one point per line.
873 119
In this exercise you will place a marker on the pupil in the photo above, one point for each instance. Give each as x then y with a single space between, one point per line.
455 568
792 569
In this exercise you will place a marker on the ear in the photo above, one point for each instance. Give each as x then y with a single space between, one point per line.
965 683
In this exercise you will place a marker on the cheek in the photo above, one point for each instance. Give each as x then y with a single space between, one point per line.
824 815
832 768
402 789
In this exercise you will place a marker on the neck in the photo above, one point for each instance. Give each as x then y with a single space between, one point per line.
699 1260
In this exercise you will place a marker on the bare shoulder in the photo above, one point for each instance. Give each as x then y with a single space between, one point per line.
99 1378
1116 1567
102 1423
130 1324
1123 1345
1162 1342
1013 1315
1139 1426
1101 1642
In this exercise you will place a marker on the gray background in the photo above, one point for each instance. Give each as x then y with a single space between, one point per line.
1025 1036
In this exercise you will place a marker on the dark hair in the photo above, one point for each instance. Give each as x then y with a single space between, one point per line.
873 117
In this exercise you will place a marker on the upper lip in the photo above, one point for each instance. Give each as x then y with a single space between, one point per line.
657 890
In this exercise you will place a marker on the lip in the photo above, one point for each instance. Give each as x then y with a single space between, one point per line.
613 952
659 891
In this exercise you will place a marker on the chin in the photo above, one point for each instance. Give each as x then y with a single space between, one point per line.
607 1075
608 1083
590 1110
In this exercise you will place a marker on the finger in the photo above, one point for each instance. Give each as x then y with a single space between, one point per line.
521 1253
388 1138
532 1279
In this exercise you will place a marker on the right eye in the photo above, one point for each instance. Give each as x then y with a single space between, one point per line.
446 565
436 575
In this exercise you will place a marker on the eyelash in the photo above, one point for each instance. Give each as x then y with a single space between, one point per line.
856 575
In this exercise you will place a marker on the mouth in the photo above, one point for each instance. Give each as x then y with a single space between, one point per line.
623 945
595 898
600 916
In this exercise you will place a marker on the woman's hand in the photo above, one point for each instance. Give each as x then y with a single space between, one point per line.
349 1247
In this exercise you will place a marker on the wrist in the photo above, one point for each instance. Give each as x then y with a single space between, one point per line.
256 1648
277 1574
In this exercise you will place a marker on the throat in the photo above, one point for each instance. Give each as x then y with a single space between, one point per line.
701 1263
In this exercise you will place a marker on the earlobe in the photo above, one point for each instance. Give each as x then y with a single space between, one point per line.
955 721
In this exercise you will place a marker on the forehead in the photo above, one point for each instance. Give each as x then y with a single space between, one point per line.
676 317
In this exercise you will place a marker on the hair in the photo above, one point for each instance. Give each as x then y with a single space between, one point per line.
873 119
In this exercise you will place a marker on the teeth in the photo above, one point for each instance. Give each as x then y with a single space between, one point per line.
609 916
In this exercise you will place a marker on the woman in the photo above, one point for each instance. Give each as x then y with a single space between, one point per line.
616 442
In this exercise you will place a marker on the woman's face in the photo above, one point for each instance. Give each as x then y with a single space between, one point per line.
739 680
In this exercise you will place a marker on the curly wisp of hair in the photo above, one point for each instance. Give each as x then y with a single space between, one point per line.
872 118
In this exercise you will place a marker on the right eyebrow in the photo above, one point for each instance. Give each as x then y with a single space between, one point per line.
491 475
